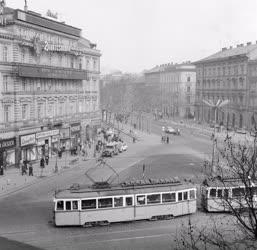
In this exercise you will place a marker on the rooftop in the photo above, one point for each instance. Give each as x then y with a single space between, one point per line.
249 50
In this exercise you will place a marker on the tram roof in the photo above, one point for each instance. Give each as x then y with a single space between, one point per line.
225 182
90 192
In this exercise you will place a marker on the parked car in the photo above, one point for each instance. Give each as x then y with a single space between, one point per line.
110 150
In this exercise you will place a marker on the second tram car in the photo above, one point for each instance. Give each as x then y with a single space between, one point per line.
92 205
223 195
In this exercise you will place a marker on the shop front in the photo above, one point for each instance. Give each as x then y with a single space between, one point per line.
44 141
75 134
65 141
7 152
28 147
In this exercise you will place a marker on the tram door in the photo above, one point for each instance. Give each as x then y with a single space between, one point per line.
72 218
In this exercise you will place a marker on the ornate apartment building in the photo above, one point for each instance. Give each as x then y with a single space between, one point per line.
49 85
229 74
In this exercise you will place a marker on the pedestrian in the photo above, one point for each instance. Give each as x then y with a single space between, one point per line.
168 140
42 163
1 170
30 169
47 159
23 168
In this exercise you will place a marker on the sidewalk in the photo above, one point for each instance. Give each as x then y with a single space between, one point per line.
12 180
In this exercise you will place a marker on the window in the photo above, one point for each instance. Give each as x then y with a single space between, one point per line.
141 200
180 197
59 205
24 108
185 195
80 63
104 202
7 113
219 193
72 63
118 201
192 194
153 198
68 205
5 53
188 79
74 205
225 194
213 192
129 201
188 89
237 192
169 197
5 83
88 204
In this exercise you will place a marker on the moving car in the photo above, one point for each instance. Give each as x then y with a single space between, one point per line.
110 150
174 131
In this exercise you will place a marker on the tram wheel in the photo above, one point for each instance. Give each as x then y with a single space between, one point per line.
87 225
104 223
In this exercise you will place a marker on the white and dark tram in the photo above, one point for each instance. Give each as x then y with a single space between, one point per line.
225 194
103 204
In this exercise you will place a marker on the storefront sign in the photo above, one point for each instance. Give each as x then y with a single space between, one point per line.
75 128
27 139
47 133
64 133
9 143
46 72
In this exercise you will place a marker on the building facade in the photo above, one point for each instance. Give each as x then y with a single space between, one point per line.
229 74
49 84
177 85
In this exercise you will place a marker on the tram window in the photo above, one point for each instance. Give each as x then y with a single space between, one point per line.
185 195
180 196
237 192
74 205
129 201
192 194
60 205
225 193
104 202
213 192
141 200
68 205
88 204
153 198
169 197
118 201
219 193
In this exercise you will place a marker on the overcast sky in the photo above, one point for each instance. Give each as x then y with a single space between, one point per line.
134 35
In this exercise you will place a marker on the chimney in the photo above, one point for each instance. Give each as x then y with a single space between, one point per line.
26 6
249 43
223 49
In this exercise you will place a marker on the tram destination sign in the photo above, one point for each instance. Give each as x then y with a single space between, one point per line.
43 72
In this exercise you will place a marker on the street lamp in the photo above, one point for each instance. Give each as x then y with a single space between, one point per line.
220 103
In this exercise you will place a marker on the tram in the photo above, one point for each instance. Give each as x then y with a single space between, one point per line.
101 203
229 193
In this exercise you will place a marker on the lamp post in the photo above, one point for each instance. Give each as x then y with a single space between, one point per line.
218 105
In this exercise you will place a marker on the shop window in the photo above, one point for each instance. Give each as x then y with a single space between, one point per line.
88 204
118 201
60 205
68 205
5 53
104 202
169 197
129 201
141 200
74 205
153 198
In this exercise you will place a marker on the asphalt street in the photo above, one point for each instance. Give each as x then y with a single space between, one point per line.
26 216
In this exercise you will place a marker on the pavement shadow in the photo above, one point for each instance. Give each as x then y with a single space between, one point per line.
6 244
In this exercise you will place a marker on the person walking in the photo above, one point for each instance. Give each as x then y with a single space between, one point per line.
1 170
168 140
42 165
47 160
23 168
30 169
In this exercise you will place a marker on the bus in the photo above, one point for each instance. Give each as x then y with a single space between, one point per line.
229 193
140 200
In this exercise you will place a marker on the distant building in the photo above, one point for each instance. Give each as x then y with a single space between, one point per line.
177 84
229 74
49 76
